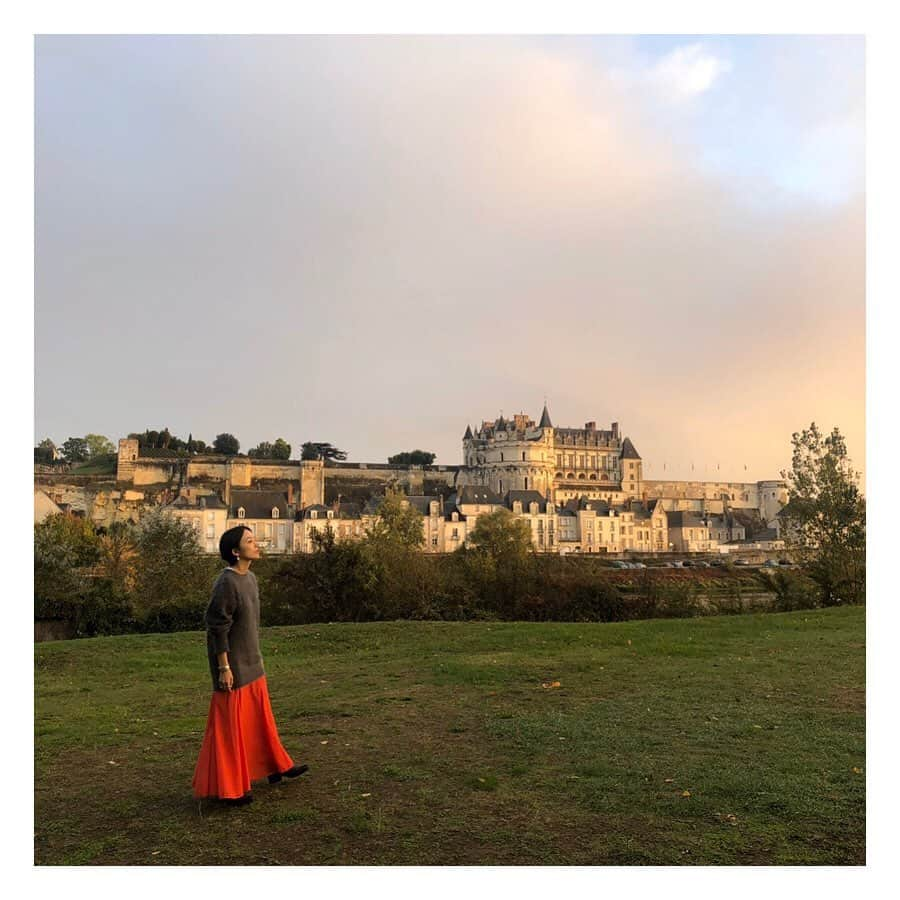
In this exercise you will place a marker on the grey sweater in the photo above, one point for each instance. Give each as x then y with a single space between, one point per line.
232 625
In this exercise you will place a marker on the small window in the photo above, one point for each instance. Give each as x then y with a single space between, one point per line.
241 512
314 514
274 512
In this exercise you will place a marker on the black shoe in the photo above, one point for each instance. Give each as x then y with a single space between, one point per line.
293 772
238 801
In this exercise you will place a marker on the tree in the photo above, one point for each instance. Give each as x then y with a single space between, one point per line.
825 517
281 449
75 450
169 570
98 445
45 451
398 522
316 450
226 444
262 451
412 458
196 446
64 546
118 556
502 536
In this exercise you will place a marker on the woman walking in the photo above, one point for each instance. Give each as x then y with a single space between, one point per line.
241 742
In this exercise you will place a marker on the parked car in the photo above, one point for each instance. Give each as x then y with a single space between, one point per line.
784 562
701 564
741 562
639 565
770 564
620 564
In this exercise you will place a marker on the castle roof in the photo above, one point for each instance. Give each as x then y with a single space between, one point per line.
545 419
628 451
468 433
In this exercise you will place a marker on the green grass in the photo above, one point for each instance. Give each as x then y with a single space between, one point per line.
722 740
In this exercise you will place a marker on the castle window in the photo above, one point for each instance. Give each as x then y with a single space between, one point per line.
314 514
241 512
274 512
330 513
523 460
526 484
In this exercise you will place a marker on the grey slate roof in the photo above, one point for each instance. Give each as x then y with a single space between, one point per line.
422 502
628 451
210 502
526 498
476 493
346 509
545 419
321 511
684 518
258 504
468 433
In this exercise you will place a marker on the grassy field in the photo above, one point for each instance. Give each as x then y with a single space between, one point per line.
726 740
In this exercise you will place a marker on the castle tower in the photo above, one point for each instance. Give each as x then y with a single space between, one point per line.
129 450
312 482
632 470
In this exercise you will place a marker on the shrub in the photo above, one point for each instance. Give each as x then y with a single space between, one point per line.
792 590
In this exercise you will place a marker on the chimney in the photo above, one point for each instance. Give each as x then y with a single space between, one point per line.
590 426
615 429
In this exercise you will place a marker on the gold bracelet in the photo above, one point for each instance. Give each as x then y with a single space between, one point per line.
224 668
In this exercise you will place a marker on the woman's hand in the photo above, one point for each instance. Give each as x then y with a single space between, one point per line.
226 680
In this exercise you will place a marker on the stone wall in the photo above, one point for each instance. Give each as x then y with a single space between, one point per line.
739 494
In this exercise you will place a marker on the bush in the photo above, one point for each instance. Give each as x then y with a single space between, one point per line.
792 590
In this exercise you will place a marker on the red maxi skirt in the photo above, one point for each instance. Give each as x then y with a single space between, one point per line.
241 743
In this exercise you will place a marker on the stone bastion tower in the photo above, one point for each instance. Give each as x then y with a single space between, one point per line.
559 463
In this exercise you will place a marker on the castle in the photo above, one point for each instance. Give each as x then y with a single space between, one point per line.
582 489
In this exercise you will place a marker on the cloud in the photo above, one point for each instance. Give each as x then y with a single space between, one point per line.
373 241
688 71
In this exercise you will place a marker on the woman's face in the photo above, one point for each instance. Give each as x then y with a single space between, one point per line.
247 548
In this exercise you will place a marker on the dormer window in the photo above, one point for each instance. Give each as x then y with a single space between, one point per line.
455 517
274 512
241 512
314 514
330 513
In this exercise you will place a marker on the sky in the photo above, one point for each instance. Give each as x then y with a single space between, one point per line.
377 241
